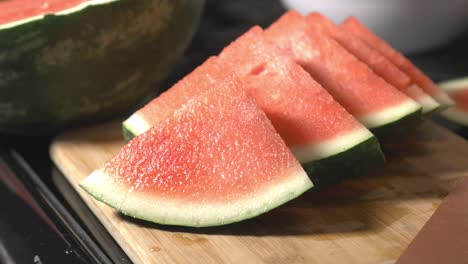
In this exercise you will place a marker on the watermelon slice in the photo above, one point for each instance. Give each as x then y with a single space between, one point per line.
353 25
376 61
328 141
214 161
458 91
374 102
165 104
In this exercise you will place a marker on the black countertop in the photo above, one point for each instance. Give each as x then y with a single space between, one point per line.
49 229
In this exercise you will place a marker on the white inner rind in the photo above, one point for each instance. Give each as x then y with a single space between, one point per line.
426 101
104 188
136 125
310 152
455 115
443 98
389 114
192 211
63 12
454 85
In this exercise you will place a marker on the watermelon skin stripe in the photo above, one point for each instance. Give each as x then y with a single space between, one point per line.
390 114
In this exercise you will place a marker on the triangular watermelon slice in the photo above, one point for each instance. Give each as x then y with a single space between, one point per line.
375 60
353 25
374 102
191 85
458 91
328 141
216 160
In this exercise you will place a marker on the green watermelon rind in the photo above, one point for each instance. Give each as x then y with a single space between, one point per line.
182 213
453 114
394 120
134 126
403 126
354 162
428 104
42 90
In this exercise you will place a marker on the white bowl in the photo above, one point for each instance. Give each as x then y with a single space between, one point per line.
409 25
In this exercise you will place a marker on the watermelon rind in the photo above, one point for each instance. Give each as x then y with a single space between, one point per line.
385 122
453 114
198 213
400 127
353 160
454 85
74 9
134 126
104 188
428 103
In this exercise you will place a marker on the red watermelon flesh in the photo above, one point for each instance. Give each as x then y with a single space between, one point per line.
374 59
381 65
215 160
18 10
352 83
355 27
191 85
328 141
299 108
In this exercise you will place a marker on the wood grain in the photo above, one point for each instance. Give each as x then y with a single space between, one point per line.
371 219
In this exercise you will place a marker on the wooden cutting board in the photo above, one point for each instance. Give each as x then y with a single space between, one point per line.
367 220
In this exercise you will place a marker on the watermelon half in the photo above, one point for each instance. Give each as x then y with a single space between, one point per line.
64 62
328 141
376 61
458 91
353 25
216 160
374 102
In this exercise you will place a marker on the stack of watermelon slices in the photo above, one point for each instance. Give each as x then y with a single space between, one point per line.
227 142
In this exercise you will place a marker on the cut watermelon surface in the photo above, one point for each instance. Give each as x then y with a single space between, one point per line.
215 161
355 27
327 140
375 60
166 103
458 91
374 102
17 12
